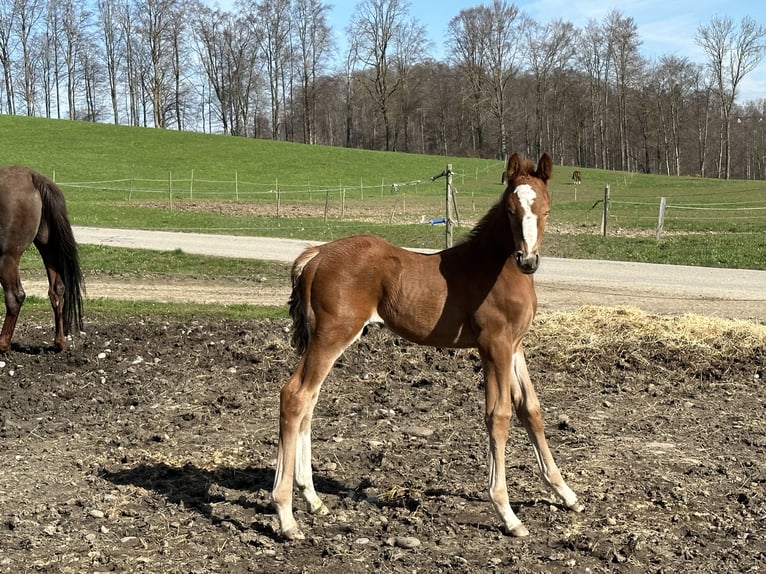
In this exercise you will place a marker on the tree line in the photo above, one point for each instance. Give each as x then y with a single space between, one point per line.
272 69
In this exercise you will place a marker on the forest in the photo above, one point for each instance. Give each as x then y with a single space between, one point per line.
273 69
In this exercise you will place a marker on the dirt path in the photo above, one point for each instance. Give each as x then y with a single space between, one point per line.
563 284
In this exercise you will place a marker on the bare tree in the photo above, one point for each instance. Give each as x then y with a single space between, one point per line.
622 38
594 59
74 19
313 42
467 33
228 50
411 49
733 52
113 49
180 66
29 13
8 15
551 48
503 61
270 25
374 24
156 32
674 81
488 48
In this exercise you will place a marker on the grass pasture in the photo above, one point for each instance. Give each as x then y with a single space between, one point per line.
117 176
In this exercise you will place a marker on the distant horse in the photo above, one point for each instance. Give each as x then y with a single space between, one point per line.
32 209
479 293
576 177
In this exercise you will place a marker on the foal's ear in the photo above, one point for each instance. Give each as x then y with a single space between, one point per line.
512 166
545 167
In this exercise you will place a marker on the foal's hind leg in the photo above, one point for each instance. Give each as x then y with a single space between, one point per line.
14 298
296 407
527 407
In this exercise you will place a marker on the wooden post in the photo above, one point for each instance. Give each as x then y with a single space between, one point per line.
661 218
605 214
236 185
191 186
279 199
448 210
170 188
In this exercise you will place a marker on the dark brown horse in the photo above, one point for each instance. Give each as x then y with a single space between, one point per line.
32 209
479 293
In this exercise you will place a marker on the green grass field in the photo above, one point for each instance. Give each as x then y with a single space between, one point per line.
121 176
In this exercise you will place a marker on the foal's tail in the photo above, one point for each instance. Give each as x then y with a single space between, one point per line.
62 249
299 306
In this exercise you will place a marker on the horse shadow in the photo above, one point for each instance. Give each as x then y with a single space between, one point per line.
33 350
193 488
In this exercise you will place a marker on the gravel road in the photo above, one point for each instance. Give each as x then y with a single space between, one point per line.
562 283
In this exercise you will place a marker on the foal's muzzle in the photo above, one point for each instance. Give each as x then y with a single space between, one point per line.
527 263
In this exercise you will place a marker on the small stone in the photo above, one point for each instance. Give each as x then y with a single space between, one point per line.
406 542
420 432
96 513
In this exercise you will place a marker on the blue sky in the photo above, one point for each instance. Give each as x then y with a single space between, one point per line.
664 27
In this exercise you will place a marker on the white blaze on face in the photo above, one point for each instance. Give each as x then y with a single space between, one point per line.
527 197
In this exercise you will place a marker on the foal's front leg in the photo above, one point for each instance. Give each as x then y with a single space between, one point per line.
527 407
497 417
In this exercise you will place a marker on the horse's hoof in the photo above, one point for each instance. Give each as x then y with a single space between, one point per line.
293 534
320 509
518 531
576 506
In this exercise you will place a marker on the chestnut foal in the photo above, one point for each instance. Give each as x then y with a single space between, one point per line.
479 293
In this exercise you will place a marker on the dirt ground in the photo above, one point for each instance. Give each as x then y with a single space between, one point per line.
149 446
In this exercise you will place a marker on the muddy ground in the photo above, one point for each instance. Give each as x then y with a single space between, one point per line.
149 445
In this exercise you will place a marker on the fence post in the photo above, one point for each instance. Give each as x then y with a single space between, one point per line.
448 210
170 188
279 198
661 218
605 214
236 184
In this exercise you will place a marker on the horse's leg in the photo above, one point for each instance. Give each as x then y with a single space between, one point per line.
14 297
56 296
527 407
296 406
496 361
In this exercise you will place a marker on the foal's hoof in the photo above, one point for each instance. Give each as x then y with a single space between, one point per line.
320 509
576 506
518 531
293 534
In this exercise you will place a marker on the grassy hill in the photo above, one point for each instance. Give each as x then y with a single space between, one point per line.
144 177
84 151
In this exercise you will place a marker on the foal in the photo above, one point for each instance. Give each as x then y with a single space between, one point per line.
479 293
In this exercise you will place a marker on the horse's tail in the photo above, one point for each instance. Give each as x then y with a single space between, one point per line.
62 249
299 306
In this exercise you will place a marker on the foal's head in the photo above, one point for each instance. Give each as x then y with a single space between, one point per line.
527 203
